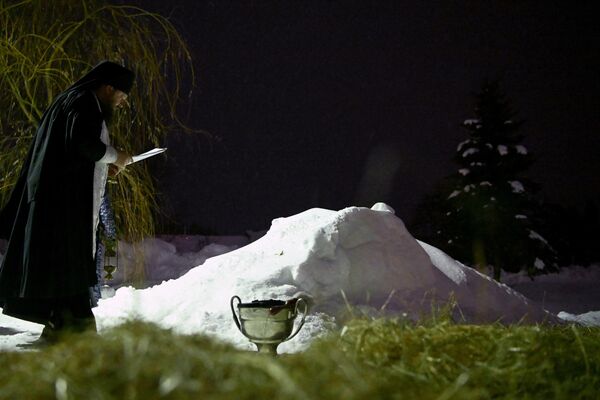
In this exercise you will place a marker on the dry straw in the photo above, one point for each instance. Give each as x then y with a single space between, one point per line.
373 359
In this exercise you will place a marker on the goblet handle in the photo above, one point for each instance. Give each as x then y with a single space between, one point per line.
235 317
304 310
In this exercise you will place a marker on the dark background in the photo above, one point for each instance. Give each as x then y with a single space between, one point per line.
333 104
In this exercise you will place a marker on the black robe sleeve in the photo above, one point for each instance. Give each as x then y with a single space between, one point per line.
84 124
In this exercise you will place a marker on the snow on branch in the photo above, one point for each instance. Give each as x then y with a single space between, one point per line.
517 186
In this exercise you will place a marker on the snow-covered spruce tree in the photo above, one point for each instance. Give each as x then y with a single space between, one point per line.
490 215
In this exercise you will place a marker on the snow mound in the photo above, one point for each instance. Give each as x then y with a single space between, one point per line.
361 256
591 318
574 273
163 259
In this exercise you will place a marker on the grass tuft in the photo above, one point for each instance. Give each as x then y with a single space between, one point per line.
381 358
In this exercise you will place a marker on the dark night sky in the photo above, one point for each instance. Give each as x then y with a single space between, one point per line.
332 104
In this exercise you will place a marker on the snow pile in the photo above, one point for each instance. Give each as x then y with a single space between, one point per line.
575 273
166 259
591 318
573 289
366 254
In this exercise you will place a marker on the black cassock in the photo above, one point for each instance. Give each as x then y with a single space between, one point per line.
48 219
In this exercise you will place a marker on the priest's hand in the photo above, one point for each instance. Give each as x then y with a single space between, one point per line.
122 159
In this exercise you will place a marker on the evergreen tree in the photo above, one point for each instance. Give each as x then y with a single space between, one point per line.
488 214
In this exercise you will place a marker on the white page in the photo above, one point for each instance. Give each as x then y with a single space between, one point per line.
147 154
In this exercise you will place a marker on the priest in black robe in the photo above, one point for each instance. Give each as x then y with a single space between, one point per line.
51 217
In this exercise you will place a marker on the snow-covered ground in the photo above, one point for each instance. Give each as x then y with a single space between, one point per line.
356 258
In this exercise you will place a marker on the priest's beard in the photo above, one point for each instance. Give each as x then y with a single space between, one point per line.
107 112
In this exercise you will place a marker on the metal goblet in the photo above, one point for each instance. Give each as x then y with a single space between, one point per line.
268 323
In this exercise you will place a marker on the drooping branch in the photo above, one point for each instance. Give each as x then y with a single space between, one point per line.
46 46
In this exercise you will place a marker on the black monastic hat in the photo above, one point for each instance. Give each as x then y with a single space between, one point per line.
115 75
109 73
